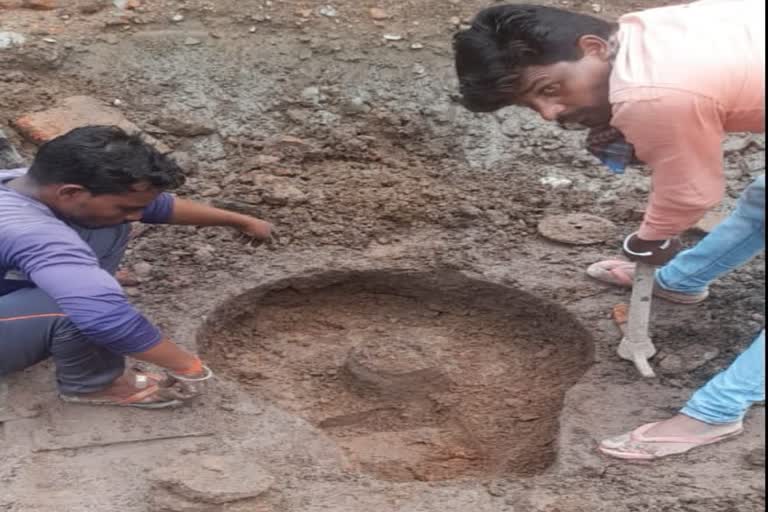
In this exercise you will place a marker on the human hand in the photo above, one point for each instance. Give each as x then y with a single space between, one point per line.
651 252
257 229
188 384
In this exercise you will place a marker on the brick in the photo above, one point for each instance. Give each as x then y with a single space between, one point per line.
41 5
71 113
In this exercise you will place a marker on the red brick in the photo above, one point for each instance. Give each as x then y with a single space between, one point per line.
41 5
71 113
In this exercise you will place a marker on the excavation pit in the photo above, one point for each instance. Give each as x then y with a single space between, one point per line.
416 376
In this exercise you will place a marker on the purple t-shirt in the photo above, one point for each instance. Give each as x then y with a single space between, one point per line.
38 246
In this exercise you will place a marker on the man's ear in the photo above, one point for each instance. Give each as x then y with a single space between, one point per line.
594 46
70 191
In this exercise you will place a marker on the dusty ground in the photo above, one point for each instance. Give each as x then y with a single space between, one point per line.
385 194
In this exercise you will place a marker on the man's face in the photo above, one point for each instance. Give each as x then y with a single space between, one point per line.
76 203
571 92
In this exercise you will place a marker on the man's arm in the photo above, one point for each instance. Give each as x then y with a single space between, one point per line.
167 209
63 266
679 135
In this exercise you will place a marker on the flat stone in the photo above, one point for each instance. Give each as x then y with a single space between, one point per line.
577 229
213 479
688 359
184 125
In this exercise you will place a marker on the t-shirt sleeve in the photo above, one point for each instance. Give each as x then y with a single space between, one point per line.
62 265
160 210
679 135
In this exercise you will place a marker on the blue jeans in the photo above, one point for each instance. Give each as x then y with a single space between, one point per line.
736 240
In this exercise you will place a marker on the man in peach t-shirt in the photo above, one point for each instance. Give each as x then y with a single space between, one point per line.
663 87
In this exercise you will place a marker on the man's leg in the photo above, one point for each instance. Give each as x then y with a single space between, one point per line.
108 243
714 413
686 278
726 397
32 329
732 243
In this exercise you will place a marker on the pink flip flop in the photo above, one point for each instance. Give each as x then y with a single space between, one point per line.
637 446
622 273
615 272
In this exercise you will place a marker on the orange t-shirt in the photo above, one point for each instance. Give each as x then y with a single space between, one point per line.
684 76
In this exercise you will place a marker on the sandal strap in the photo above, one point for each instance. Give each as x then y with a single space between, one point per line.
141 395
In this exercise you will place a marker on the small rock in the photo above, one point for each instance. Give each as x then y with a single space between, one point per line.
556 182
204 254
455 21
91 6
356 106
311 94
41 5
50 40
304 13
328 11
419 69
184 125
756 457
177 18
596 8
469 211
688 359
191 41
142 269
393 37
417 46
8 39
378 13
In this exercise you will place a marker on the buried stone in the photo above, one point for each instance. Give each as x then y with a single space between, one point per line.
213 480
577 229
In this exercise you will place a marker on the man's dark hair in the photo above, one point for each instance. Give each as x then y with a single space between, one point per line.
504 40
104 160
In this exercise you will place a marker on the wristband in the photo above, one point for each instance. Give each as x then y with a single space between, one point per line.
663 246
207 375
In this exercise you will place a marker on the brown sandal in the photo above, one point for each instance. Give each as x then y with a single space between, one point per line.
151 397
